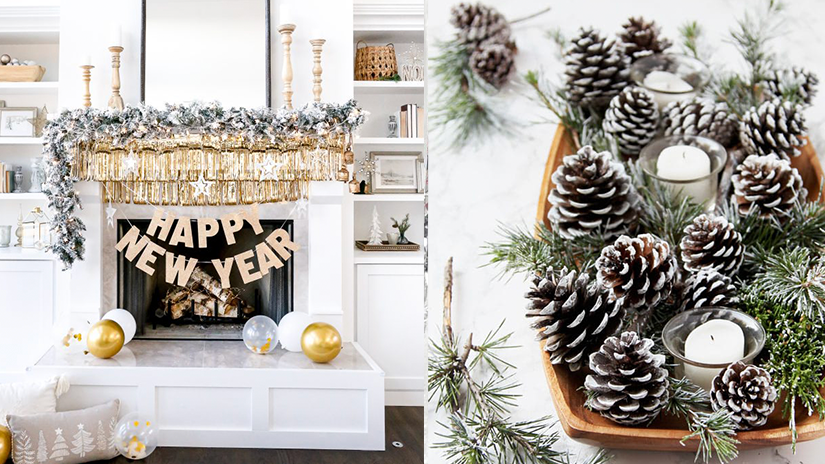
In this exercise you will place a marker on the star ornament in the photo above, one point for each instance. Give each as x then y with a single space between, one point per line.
110 215
269 169
201 186
130 163
301 206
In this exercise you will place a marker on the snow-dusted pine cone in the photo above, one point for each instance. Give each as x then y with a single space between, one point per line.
638 272
573 315
779 82
767 185
629 385
633 118
593 194
708 288
774 127
712 243
641 38
596 69
479 23
747 392
703 117
493 62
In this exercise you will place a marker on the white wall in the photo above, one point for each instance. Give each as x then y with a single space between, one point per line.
86 29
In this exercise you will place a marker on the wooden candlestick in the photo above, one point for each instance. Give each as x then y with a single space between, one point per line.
317 45
286 31
87 78
116 101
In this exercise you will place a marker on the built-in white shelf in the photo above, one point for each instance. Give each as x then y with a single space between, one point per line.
389 257
388 87
388 141
25 196
13 253
28 88
407 197
43 36
21 140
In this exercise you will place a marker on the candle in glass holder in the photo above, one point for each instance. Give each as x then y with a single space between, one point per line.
686 163
667 87
717 341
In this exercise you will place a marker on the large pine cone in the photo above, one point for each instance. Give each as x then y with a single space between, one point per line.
629 385
479 23
712 243
633 118
596 69
774 127
593 194
746 391
708 288
767 185
702 117
573 315
638 272
642 38
779 82
493 62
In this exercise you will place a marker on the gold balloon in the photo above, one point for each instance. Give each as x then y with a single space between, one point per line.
5 444
321 342
105 339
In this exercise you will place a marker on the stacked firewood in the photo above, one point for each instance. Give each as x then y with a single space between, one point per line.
203 296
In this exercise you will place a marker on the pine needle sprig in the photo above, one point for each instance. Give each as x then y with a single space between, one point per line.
523 251
462 108
796 356
685 397
716 432
794 278
691 33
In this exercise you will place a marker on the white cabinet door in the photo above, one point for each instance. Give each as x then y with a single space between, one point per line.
390 327
26 312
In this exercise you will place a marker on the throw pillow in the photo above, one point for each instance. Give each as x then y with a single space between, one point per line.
31 397
70 437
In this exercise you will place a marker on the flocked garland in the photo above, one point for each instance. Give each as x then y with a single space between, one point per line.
73 127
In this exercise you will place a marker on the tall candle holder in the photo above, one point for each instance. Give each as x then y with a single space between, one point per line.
286 31
87 78
116 101
317 46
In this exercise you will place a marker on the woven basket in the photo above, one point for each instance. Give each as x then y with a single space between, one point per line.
373 63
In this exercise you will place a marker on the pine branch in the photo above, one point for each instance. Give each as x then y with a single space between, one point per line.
794 279
691 33
716 432
462 108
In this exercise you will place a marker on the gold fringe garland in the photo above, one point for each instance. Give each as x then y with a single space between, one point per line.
165 168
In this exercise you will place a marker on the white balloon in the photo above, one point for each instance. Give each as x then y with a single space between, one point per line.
291 328
126 322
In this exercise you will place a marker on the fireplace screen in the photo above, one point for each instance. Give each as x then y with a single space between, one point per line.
202 309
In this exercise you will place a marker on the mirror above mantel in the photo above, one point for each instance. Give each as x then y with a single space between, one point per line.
221 53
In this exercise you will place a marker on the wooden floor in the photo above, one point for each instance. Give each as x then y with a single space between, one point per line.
404 425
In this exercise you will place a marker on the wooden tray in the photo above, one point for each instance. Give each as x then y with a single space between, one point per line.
665 433
21 73
385 246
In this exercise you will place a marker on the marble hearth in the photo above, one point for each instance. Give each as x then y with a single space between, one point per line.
216 393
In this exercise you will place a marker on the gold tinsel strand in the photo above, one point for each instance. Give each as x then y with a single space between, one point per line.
165 168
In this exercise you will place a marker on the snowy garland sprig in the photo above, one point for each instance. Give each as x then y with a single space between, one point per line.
73 127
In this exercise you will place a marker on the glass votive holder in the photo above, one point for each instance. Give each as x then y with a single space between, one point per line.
680 326
5 236
688 165
670 77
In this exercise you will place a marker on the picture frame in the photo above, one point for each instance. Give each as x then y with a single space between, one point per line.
396 172
17 122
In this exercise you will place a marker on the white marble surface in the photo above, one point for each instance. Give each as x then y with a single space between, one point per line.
474 189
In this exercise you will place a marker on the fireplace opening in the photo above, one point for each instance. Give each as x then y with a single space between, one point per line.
202 309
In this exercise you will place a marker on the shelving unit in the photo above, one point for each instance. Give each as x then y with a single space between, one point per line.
387 287
28 88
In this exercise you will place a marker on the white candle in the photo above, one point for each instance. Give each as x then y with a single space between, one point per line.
87 60
715 342
683 162
117 37
285 16
667 87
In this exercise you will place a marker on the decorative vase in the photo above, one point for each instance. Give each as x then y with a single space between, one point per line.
402 239
392 238
18 179
5 236
392 125
38 175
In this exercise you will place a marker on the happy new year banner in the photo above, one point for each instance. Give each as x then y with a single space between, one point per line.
271 252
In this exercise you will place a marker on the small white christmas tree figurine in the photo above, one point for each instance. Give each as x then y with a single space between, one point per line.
60 448
375 228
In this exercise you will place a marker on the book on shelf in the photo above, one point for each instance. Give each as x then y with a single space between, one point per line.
410 121
6 178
